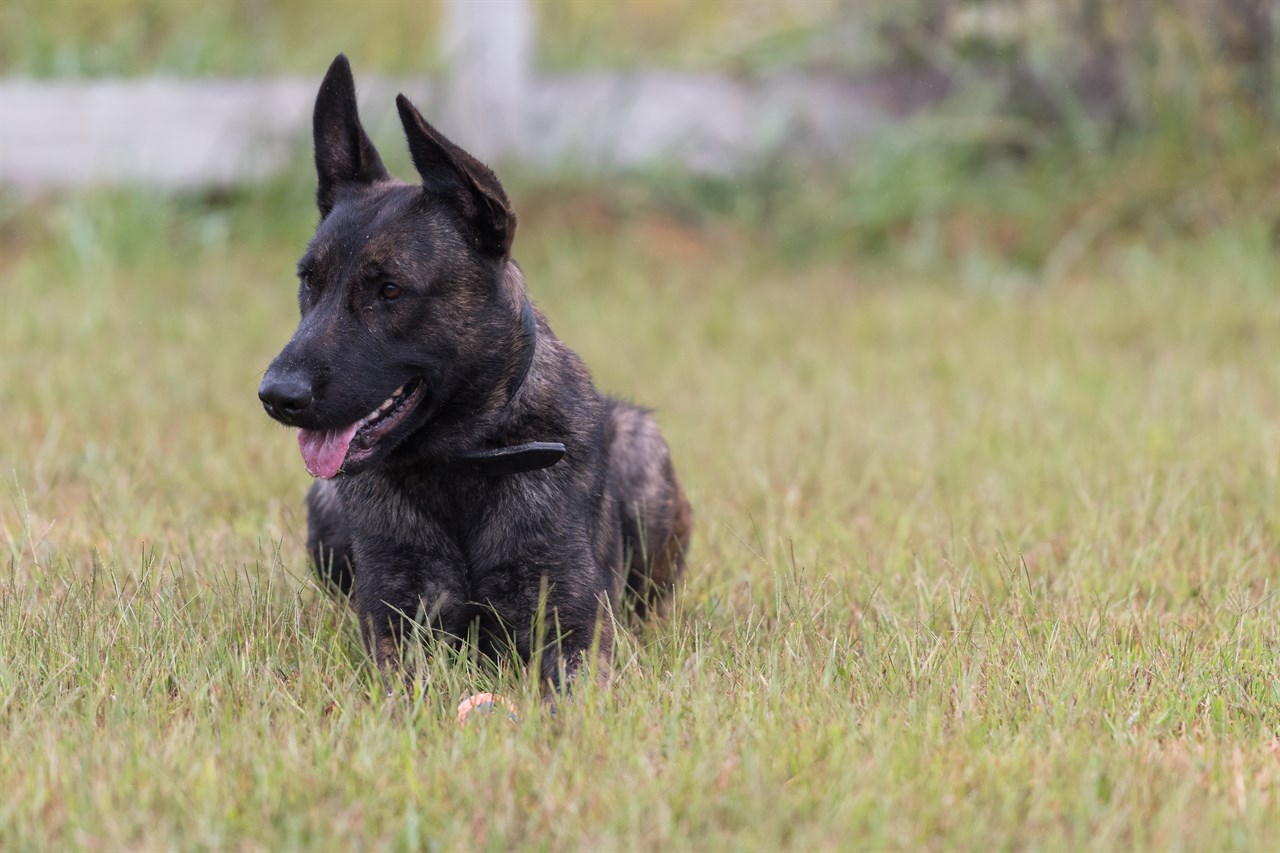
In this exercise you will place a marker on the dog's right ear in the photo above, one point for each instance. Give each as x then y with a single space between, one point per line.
448 171
344 154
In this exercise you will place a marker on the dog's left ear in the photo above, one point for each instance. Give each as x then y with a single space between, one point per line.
344 154
449 171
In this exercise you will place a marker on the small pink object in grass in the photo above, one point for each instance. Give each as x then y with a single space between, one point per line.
484 704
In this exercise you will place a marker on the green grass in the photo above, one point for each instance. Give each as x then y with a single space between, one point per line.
982 561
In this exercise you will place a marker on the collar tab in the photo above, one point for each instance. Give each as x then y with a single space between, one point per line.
517 459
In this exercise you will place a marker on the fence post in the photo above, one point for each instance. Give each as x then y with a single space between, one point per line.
488 51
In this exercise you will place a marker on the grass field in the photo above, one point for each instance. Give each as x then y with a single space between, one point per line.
981 562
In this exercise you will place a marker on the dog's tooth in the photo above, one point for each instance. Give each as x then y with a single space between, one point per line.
398 391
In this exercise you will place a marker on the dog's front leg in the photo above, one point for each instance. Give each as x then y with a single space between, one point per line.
405 592
578 634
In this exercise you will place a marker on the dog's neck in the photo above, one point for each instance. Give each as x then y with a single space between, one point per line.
528 346
525 342
518 458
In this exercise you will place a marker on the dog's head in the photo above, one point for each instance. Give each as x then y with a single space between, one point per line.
404 292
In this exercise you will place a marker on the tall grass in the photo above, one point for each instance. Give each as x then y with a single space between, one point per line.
975 566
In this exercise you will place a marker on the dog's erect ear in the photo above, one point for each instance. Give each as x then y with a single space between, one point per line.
344 154
449 171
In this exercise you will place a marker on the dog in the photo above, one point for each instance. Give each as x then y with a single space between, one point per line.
471 480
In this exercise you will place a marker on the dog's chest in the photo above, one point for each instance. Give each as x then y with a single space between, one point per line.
480 521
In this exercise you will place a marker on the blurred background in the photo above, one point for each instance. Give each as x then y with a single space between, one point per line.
1023 130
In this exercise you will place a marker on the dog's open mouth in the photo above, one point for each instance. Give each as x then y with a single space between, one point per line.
326 452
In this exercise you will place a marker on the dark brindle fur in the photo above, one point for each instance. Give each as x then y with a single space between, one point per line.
413 287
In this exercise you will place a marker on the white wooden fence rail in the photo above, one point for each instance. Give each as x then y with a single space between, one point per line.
189 133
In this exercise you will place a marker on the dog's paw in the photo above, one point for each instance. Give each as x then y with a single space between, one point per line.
483 705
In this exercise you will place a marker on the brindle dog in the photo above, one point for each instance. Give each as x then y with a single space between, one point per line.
470 475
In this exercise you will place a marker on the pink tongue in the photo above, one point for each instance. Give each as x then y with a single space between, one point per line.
324 451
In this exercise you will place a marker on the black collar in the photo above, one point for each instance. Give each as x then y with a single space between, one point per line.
519 458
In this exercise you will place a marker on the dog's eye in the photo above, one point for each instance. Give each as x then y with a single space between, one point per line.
390 291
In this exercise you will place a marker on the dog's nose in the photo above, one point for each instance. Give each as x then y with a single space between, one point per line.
285 398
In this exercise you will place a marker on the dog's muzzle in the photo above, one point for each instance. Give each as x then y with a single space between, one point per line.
285 398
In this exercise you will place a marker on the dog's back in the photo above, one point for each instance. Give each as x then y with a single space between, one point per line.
657 521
